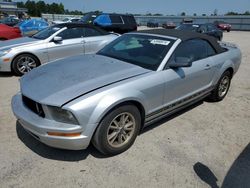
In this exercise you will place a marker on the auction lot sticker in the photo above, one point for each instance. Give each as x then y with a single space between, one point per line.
160 42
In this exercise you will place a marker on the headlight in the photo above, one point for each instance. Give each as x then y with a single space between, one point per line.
61 115
3 53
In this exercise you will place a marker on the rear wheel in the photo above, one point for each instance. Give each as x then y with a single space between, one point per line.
118 130
221 88
24 63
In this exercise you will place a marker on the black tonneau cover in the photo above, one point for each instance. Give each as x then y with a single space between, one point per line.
185 35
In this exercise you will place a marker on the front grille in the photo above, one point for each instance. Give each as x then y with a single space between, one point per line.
33 106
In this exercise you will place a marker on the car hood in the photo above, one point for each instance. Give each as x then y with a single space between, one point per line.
58 82
8 44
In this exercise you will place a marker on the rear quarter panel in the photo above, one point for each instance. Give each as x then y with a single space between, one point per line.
229 59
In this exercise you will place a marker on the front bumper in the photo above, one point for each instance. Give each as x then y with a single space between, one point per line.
38 127
5 66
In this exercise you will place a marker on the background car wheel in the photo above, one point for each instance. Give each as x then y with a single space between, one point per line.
221 88
118 130
24 63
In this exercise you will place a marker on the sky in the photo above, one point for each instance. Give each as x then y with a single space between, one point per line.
166 7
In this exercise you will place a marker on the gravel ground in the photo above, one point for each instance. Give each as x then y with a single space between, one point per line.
207 144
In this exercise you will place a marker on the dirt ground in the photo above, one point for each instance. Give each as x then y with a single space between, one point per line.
206 145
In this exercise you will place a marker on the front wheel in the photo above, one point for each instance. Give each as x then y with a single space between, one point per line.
118 130
24 63
221 88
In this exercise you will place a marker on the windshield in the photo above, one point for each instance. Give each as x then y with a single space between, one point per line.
45 33
188 27
141 50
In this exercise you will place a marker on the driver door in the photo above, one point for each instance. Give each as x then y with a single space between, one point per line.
71 44
183 83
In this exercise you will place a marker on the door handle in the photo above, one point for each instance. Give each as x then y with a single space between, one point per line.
207 67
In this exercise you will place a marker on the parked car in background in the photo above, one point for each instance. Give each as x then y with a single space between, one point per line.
169 25
223 25
152 24
55 42
209 29
109 97
32 26
7 32
66 20
9 21
118 23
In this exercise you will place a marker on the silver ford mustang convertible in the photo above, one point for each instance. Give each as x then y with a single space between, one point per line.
55 42
108 97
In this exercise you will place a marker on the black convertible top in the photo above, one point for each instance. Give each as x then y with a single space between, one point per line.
185 35
79 24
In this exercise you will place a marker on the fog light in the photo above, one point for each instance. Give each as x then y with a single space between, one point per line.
64 134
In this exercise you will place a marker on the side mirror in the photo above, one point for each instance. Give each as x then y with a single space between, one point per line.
57 39
181 62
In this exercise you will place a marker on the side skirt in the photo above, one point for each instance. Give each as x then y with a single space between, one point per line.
171 109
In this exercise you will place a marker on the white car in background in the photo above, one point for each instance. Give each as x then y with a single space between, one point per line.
66 20
56 42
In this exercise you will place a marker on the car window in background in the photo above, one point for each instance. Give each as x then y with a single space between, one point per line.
188 27
88 18
144 51
65 19
45 33
19 24
211 27
90 32
72 33
129 19
203 29
116 19
75 20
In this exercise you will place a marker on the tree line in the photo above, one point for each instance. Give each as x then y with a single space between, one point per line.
36 8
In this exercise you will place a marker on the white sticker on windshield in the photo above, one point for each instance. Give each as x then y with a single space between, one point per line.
195 25
160 42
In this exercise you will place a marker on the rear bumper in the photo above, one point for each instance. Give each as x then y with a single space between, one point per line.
39 127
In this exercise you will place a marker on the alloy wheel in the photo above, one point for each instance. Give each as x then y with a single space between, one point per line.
121 130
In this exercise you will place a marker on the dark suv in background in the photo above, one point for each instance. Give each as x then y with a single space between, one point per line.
118 23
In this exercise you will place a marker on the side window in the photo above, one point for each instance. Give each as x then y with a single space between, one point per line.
195 50
211 27
210 49
203 28
115 19
72 33
128 19
90 32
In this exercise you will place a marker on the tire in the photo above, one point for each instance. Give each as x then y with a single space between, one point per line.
24 63
222 87
121 135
